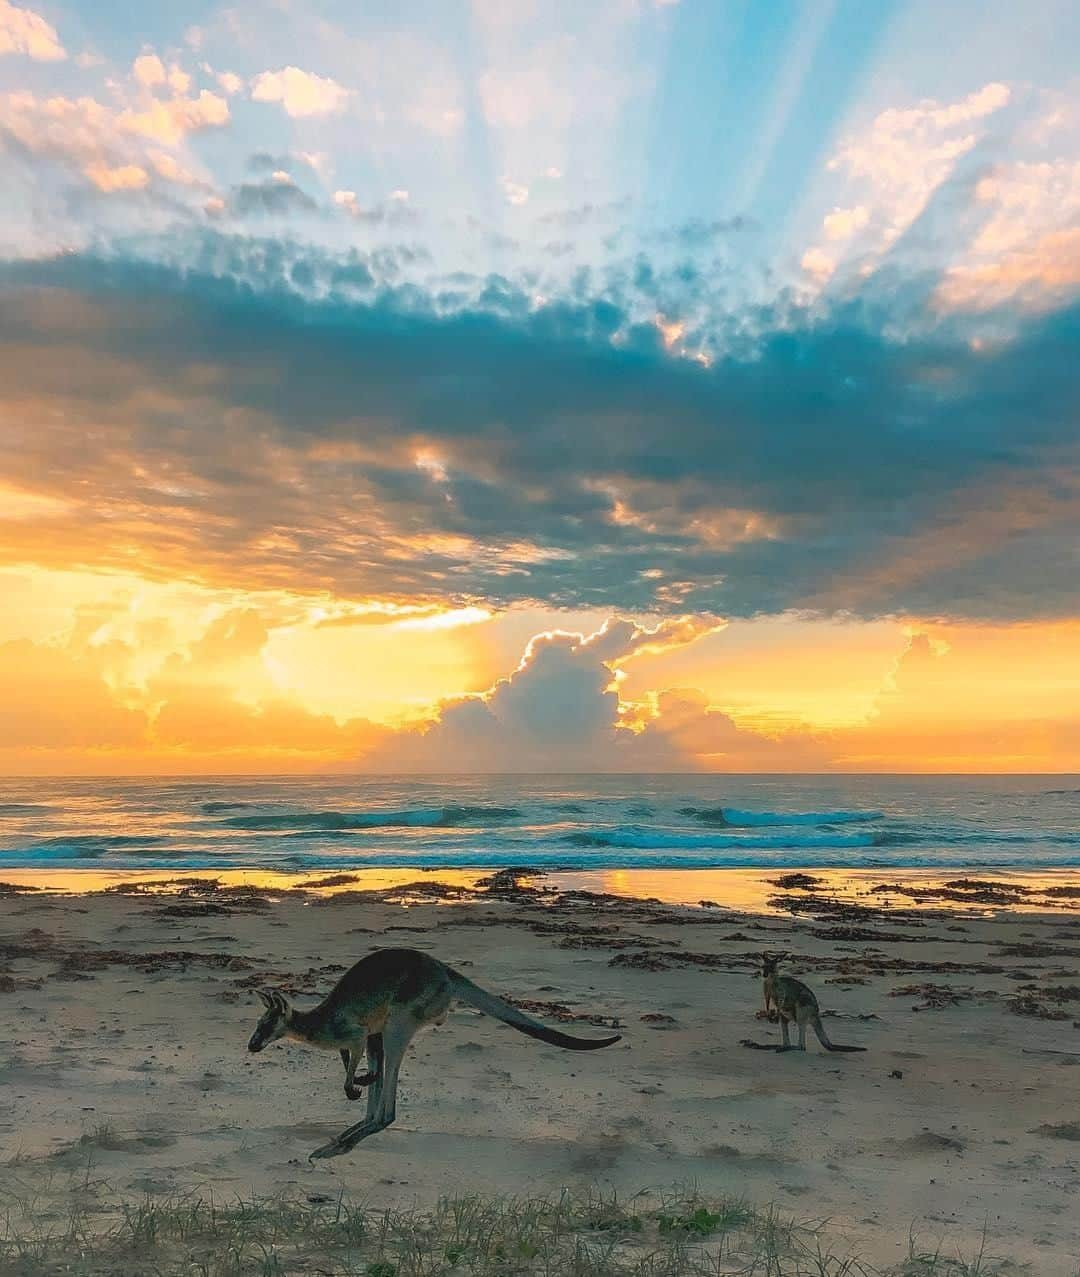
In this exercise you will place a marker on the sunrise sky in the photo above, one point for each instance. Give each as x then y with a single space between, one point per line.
617 385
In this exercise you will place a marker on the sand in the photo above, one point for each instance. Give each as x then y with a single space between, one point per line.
124 1020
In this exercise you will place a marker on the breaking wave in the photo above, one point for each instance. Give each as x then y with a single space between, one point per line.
410 818
738 819
644 839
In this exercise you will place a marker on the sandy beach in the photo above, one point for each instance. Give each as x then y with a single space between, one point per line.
125 1016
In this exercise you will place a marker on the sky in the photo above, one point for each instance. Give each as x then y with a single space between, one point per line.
496 385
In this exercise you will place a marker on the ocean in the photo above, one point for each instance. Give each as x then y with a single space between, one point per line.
566 822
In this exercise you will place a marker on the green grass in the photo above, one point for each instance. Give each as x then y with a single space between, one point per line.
591 1234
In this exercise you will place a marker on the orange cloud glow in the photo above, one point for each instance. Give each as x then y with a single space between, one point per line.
116 673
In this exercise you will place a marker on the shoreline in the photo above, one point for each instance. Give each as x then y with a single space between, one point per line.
124 1017
741 889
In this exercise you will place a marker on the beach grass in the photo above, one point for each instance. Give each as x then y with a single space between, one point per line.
593 1233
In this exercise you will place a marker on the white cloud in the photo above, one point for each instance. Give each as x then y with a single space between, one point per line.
26 32
229 82
894 167
179 81
515 193
149 70
167 167
301 93
931 116
105 146
818 264
907 154
124 177
169 122
842 223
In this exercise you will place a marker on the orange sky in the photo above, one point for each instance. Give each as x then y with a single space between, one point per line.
626 387
114 673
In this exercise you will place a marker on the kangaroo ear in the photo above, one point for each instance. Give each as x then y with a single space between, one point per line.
266 996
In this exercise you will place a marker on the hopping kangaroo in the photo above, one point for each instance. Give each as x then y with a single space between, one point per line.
377 1007
794 1003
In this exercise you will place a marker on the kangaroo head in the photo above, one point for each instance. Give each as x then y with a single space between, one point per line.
274 1021
770 963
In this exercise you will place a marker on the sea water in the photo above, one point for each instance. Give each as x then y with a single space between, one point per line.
579 822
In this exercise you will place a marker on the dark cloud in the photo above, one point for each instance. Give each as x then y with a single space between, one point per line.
270 198
287 162
585 214
698 233
279 416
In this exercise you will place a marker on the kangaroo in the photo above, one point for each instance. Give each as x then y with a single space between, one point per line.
377 1007
794 1002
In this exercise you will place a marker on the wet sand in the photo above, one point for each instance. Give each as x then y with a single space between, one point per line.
124 1018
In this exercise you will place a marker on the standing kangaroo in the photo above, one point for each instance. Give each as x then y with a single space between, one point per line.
794 1002
378 1006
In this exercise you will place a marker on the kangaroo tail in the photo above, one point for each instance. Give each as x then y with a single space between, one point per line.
823 1038
492 1005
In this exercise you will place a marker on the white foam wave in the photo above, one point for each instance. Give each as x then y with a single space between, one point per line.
755 819
643 838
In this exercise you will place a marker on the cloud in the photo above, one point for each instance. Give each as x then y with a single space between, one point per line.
166 676
686 726
1027 247
66 705
817 264
170 121
26 32
40 686
514 191
124 177
894 167
261 423
149 70
301 93
114 150
844 222
559 710
394 212
280 196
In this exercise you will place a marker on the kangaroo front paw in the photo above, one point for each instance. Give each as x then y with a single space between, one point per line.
354 1091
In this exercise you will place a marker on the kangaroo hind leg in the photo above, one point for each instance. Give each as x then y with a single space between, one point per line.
786 1044
382 1108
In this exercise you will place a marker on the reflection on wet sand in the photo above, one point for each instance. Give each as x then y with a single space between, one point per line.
743 890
